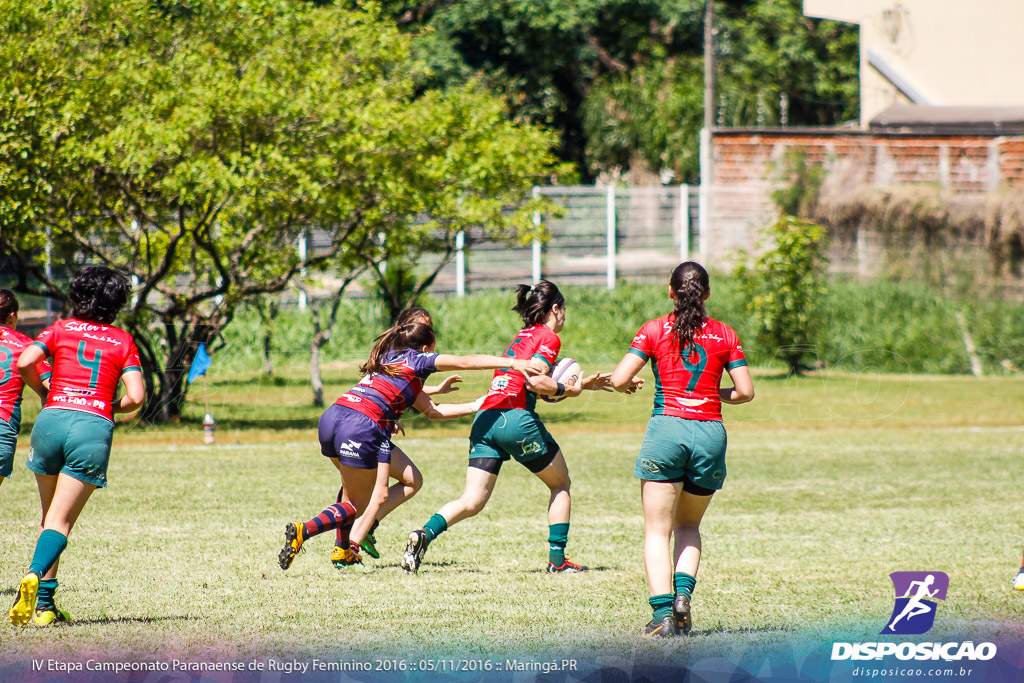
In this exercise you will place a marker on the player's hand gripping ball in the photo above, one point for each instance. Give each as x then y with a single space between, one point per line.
567 371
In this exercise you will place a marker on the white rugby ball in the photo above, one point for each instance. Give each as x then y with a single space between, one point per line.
567 371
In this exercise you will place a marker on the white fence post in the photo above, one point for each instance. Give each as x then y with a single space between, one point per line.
684 223
302 271
536 240
610 209
460 263
705 201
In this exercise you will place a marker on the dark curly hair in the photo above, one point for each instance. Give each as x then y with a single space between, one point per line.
98 294
533 304
689 283
8 305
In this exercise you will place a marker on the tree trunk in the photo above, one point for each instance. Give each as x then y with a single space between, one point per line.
315 377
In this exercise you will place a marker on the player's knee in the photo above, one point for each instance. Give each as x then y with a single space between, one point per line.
474 503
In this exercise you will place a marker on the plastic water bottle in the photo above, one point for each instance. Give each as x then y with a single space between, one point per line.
208 423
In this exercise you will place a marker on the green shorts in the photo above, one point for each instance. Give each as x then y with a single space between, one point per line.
675 449
510 433
72 442
8 442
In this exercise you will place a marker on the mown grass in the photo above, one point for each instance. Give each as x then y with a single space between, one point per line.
834 481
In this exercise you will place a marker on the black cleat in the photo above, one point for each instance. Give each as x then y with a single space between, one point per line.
681 612
666 628
414 551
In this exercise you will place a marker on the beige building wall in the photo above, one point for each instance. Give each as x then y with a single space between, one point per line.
934 52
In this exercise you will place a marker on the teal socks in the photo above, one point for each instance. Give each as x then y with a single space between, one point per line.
684 584
47 589
662 605
435 527
48 548
558 537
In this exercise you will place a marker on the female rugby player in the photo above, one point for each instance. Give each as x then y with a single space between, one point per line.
355 432
72 435
507 426
682 460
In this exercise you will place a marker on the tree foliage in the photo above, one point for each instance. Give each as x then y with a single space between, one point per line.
622 80
784 289
189 144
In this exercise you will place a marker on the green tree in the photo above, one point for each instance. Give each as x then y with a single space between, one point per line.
622 80
190 144
784 287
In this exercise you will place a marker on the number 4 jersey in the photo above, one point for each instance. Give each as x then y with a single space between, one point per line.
687 386
88 361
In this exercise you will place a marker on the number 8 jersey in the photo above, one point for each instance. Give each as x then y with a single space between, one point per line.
687 386
88 361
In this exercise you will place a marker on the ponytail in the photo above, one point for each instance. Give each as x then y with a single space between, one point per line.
533 304
690 284
410 336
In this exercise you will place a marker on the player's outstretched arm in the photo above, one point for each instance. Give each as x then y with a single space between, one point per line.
545 385
481 361
445 411
742 390
134 393
445 387
624 378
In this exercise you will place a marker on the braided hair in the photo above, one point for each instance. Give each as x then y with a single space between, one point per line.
690 284
410 336
533 304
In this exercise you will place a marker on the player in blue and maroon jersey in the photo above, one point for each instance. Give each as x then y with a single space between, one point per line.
12 343
403 470
72 435
355 432
682 460
508 427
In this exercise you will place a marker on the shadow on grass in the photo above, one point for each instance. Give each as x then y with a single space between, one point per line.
128 620
8 591
544 570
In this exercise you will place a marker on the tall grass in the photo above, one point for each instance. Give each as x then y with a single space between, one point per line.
881 326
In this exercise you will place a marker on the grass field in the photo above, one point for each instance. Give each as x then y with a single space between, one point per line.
834 482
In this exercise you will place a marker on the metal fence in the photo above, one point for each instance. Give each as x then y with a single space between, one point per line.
605 235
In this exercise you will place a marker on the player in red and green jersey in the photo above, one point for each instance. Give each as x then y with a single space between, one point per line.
72 435
355 432
682 460
12 343
507 427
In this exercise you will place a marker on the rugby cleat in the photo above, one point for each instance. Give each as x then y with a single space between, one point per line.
666 628
345 557
1018 583
681 612
414 551
369 544
292 544
51 615
25 606
566 567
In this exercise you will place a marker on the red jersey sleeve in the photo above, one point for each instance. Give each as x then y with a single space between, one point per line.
132 361
47 340
736 357
548 345
643 342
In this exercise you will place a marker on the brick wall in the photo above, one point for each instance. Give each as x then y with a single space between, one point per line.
748 163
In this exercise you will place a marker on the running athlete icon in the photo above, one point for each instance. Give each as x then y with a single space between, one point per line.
916 605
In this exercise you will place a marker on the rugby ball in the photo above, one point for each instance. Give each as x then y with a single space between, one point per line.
567 371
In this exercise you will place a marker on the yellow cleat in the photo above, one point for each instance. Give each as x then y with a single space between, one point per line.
25 605
292 544
345 557
46 617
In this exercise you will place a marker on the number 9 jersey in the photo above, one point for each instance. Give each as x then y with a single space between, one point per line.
686 385
88 361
